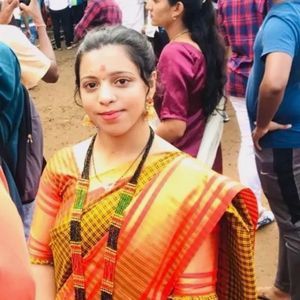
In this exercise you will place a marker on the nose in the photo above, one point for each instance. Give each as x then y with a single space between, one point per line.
106 95
148 5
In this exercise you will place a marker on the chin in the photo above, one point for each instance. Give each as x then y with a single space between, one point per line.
153 23
114 132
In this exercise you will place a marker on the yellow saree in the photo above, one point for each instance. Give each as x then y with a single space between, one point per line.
177 206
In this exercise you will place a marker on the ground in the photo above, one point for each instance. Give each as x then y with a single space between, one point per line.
62 122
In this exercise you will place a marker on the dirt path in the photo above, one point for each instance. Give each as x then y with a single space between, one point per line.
63 126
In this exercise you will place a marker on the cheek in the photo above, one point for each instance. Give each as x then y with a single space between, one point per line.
88 104
137 107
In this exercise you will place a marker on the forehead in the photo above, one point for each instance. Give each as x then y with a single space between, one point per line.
111 58
161 2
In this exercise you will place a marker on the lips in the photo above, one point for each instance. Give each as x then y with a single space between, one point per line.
110 115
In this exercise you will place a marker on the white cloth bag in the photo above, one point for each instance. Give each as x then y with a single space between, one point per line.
212 135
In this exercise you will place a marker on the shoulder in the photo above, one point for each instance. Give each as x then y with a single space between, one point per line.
283 20
12 35
188 178
181 55
286 11
182 49
196 171
17 41
72 156
7 29
68 161
112 3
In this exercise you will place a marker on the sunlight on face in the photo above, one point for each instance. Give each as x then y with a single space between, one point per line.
112 91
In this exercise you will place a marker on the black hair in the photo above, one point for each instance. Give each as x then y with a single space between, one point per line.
200 19
138 48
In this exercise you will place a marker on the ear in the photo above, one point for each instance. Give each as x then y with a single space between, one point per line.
152 83
178 9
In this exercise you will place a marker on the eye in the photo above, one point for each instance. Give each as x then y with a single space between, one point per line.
90 85
122 82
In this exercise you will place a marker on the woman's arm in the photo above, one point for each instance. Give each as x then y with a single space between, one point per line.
48 203
43 276
171 130
175 72
33 10
199 279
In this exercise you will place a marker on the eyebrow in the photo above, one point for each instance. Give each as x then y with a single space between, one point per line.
119 73
110 74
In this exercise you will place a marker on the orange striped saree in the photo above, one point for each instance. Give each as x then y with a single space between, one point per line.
188 233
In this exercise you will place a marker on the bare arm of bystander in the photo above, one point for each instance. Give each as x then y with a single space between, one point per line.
34 11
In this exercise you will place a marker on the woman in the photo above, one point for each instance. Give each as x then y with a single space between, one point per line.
125 215
191 71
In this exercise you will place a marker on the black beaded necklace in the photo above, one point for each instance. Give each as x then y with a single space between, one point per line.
126 196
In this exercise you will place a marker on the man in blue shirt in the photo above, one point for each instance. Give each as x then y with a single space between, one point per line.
239 22
273 103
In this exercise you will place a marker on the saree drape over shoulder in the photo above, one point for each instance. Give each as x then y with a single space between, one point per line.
187 234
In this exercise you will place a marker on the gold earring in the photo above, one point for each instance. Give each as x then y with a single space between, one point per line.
149 109
87 122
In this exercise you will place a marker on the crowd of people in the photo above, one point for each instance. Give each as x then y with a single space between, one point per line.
136 211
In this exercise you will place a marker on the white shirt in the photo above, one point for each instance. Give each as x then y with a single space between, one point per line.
132 13
57 4
34 63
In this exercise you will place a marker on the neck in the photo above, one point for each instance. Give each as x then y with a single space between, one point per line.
118 149
174 29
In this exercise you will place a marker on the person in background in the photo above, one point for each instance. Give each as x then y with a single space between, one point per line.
77 10
98 13
239 22
126 215
133 13
60 13
272 96
16 281
36 63
191 72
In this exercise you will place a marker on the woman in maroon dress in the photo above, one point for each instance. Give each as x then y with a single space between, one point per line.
191 71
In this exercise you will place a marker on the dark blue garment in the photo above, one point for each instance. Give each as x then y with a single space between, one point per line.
11 110
11 105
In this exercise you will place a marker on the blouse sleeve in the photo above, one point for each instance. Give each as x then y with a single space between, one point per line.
53 182
175 73
198 281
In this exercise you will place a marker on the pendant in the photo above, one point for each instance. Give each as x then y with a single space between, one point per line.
107 185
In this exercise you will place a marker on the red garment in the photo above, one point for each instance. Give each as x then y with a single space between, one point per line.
239 23
98 12
16 281
181 78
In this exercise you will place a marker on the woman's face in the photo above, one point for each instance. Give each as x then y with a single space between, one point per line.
161 12
112 92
